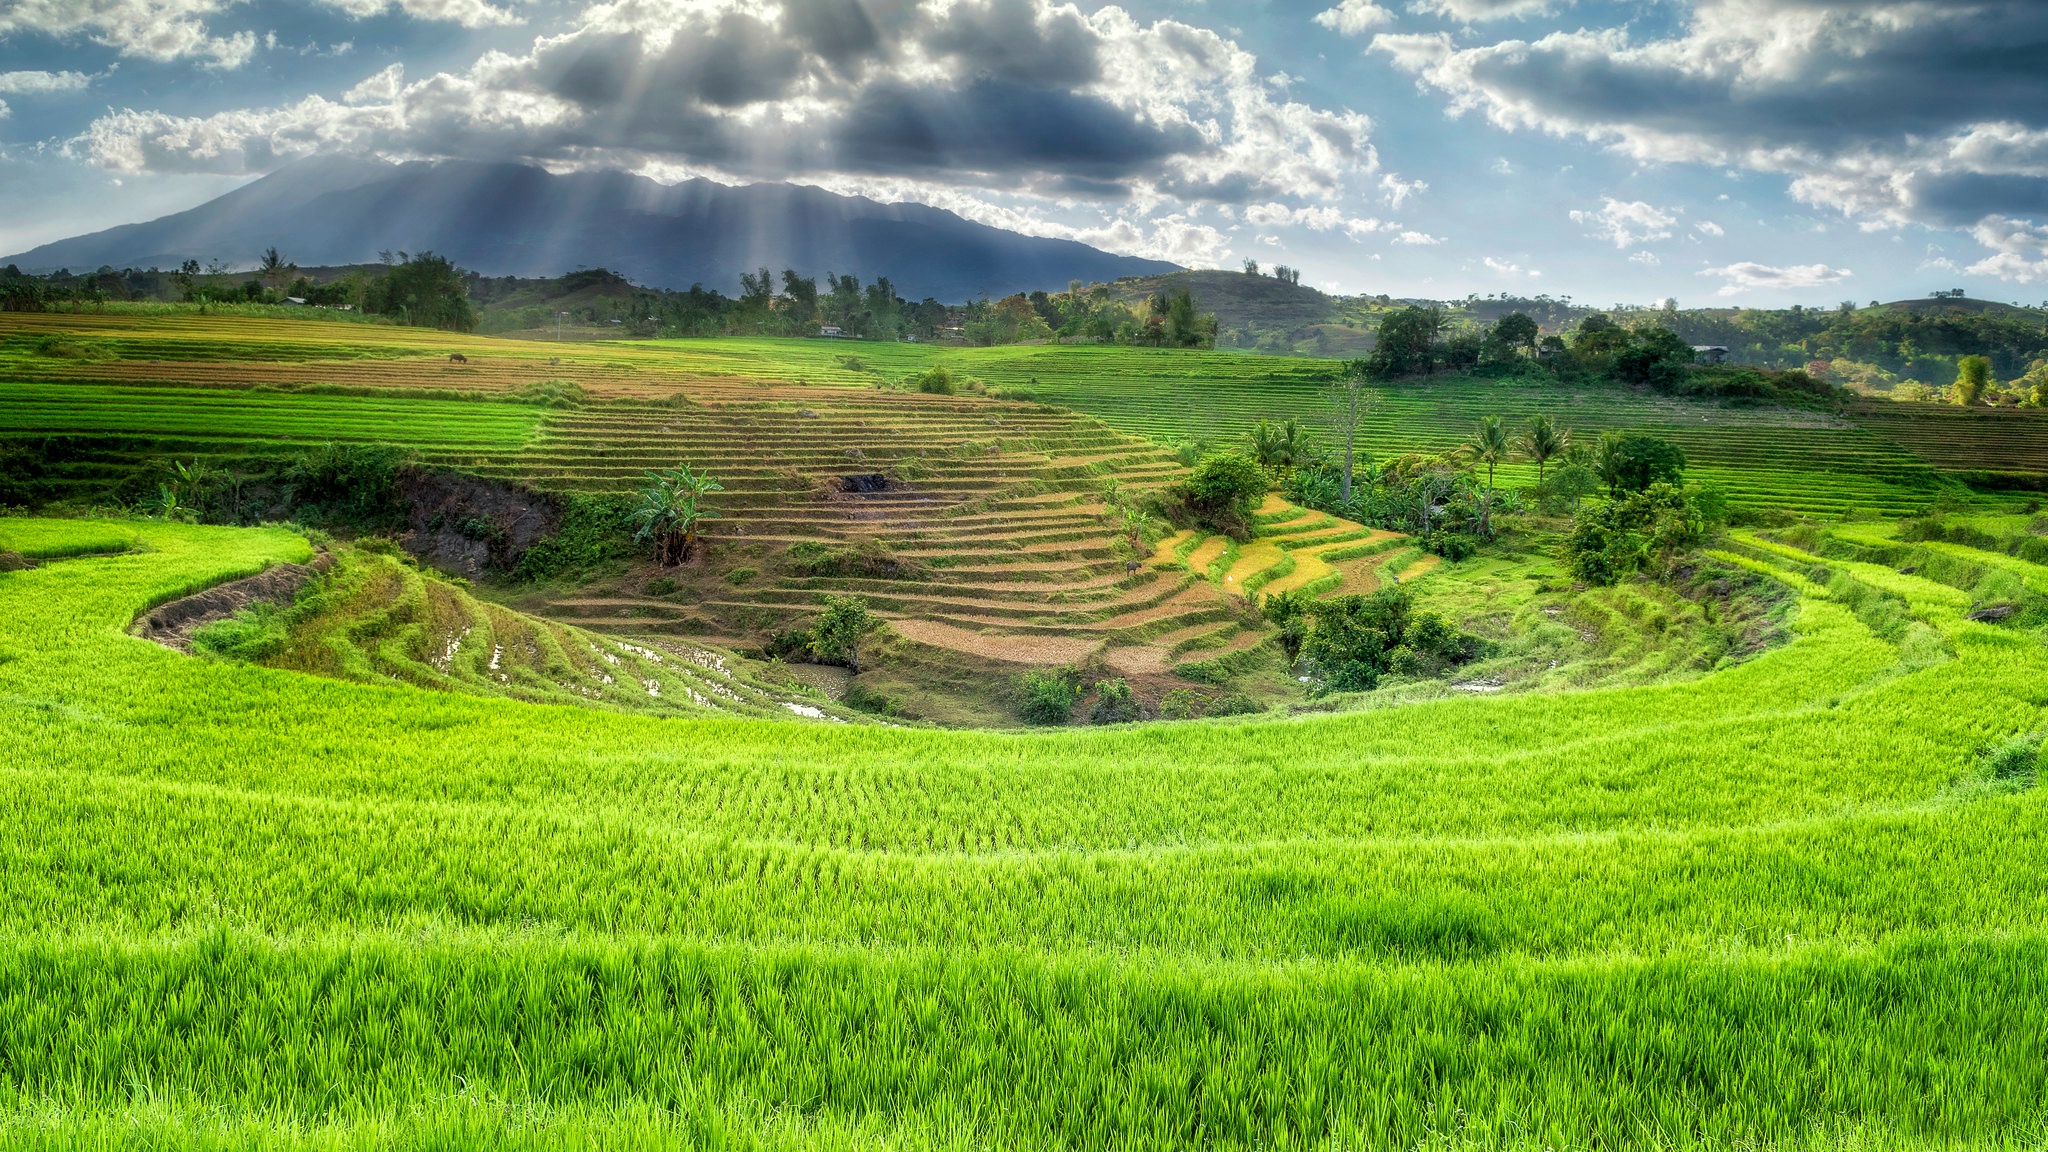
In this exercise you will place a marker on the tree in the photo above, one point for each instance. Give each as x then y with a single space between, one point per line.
1655 355
669 511
1973 376
1517 331
1284 445
426 291
274 270
1634 532
1251 267
1407 340
1349 401
800 298
1224 493
1488 445
1632 461
835 636
1543 442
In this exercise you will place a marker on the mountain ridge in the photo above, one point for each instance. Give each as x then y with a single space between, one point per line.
519 220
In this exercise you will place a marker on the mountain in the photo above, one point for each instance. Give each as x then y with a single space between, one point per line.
516 220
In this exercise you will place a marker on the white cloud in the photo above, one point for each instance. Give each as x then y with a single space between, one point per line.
1509 268
1646 258
1476 11
1709 228
1744 276
1419 239
1398 190
1501 167
2019 249
167 30
42 83
1316 218
1626 222
1354 17
1888 111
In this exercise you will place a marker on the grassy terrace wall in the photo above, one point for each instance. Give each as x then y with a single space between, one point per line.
1783 904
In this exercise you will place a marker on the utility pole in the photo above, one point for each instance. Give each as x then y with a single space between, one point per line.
559 317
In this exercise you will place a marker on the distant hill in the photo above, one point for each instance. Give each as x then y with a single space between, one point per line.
1926 304
516 220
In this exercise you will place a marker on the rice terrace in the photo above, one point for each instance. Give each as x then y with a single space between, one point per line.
800 575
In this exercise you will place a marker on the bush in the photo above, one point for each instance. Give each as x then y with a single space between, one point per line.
1114 703
865 557
936 381
594 530
1047 697
741 576
1234 704
1181 704
1222 496
1355 640
351 485
1639 531
835 636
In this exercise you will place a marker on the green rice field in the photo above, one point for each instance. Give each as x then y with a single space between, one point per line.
1794 903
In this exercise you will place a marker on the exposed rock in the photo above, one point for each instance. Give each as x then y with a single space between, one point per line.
468 526
1993 613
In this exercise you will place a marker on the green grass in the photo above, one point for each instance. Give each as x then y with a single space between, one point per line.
194 414
248 907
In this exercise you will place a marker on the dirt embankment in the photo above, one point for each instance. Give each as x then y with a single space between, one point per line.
469 526
14 562
173 624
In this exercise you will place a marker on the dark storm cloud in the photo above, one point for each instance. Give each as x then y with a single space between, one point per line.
1001 126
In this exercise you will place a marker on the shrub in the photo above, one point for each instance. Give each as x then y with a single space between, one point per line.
1221 496
353 485
1234 704
741 576
1355 640
835 636
594 530
936 381
1640 531
1181 704
865 557
1114 703
1047 697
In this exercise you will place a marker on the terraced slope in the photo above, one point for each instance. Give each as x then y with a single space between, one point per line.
1795 904
1967 440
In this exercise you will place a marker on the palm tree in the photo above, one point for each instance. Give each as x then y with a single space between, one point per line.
274 269
670 509
1544 442
1280 446
1488 445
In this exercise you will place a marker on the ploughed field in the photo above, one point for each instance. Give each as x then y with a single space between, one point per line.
1794 903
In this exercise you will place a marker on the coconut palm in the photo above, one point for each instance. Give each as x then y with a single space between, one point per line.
670 509
1285 445
1488 445
1544 442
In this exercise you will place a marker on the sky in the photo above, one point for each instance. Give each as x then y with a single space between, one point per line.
1720 152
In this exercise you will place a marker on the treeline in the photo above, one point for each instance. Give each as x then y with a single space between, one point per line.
424 290
1420 340
1923 345
431 291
